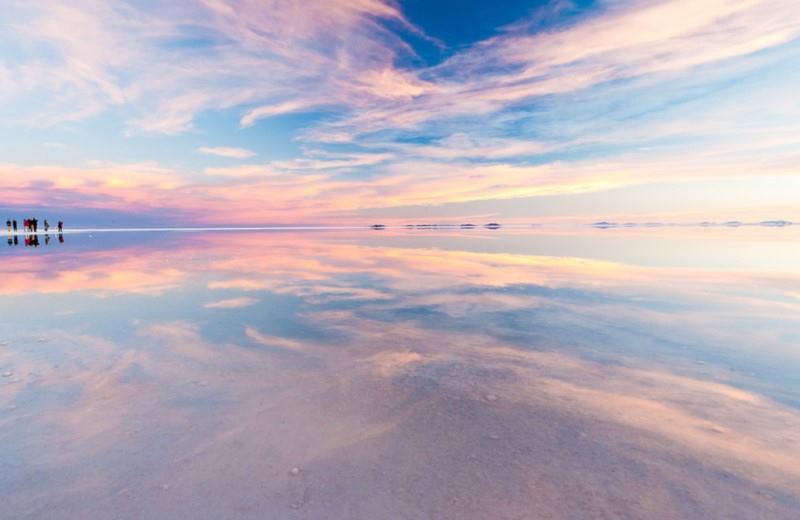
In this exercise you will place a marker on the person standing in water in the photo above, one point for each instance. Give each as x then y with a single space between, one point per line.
8 225
14 224
60 226
46 226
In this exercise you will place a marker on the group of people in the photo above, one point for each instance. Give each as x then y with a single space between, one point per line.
31 225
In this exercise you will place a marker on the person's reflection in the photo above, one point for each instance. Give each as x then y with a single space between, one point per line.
10 241
16 240
60 238
47 240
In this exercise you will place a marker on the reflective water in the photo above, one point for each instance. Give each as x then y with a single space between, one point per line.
475 374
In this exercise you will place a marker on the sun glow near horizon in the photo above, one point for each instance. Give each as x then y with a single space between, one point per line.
237 111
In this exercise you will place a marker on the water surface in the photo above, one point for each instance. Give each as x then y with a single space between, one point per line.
357 374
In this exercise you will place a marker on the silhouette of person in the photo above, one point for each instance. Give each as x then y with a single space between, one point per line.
35 223
47 240
60 238
14 224
16 240
60 226
46 226
8 225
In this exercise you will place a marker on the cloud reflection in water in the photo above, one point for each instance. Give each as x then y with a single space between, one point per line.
462 381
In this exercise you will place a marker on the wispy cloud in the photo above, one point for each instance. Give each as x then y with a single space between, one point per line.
232 303
281 59
624 93
308 191
265 111
274 341
627 41
231 153
211 54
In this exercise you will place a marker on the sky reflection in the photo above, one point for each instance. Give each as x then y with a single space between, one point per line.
502 375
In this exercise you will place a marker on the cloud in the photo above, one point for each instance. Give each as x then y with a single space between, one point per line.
232 153
274 341
232 303
266 111
168 63
624 42
337 188
344 56
622 94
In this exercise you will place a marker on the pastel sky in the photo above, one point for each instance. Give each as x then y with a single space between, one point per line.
351 111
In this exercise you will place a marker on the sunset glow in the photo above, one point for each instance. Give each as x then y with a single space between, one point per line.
269 112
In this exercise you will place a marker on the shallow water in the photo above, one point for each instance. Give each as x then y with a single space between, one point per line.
359 374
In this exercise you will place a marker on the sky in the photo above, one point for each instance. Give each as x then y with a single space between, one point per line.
152 112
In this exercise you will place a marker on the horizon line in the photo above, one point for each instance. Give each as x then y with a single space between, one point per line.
432 226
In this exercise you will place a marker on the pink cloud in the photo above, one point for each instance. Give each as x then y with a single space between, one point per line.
260 59
228 152
263 53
